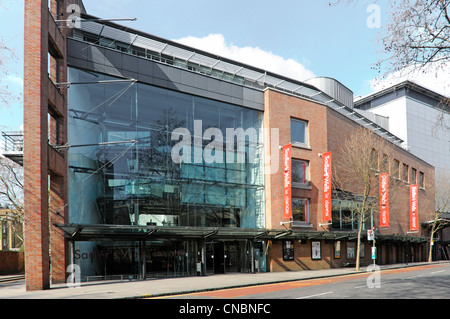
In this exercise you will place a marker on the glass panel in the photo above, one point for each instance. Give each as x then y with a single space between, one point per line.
336 214
298 131
299 172
125 174
300 210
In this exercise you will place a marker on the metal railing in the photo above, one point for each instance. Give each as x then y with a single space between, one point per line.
12 141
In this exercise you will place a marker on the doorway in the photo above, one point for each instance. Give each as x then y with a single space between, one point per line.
225 257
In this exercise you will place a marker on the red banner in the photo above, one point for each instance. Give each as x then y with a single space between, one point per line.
414 207
384 199
326 165
287 178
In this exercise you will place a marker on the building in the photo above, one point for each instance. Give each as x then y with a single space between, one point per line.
420 117
162 160
11 232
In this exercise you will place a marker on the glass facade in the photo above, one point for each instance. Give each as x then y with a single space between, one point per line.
122 169
344 215
121 163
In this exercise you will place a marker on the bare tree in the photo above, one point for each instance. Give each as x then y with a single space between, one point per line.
11 191
414 42
437 221
417 33
7 56
362 157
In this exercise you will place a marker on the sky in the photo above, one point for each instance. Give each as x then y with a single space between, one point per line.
299 39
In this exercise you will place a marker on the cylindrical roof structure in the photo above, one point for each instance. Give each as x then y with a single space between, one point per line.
334 89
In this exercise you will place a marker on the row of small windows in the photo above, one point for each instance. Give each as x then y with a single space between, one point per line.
299 137
401 171
167 59
300 169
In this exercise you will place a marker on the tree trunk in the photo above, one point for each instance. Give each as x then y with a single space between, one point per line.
358 245
433 229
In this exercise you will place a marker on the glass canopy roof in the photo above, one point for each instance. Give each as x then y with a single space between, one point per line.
141 233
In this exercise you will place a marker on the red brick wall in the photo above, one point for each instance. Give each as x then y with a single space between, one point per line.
43 209
11 262
327 131
303 261
399 201
279 109
35 145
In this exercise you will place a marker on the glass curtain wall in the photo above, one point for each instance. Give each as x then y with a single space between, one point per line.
344 215
121 167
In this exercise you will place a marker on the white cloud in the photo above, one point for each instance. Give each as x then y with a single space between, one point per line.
16 80
433 77
254 56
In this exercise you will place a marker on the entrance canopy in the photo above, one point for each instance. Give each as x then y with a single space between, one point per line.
103 232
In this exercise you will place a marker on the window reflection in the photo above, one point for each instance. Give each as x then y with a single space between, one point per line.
130 178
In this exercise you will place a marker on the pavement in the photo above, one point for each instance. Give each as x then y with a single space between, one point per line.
11 288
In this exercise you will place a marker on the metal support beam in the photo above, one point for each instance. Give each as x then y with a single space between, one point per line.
252 256
144 263
203 259
282 234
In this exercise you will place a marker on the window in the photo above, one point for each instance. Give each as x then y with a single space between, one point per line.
384 164
300 210
413 175
396 169
374 159
138 51
344 215
299 132
421 180
405 172
300 173
90 38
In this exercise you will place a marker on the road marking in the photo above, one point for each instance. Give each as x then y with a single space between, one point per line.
435 272
413 277
310 296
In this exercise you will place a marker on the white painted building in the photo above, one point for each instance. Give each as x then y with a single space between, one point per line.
417 115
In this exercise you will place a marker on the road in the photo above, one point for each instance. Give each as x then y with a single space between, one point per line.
421 282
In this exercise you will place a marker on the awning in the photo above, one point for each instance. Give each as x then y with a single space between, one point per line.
104 232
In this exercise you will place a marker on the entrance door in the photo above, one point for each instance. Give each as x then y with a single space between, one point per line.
219 258
232 256
215 258
225 256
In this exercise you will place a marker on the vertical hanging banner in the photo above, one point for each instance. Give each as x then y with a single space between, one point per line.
414 207
326 212
287 178
384 199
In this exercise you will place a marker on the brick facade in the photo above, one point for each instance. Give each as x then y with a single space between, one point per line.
45 177
45 125
37 264
327 131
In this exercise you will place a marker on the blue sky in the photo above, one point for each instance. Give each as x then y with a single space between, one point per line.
296 38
